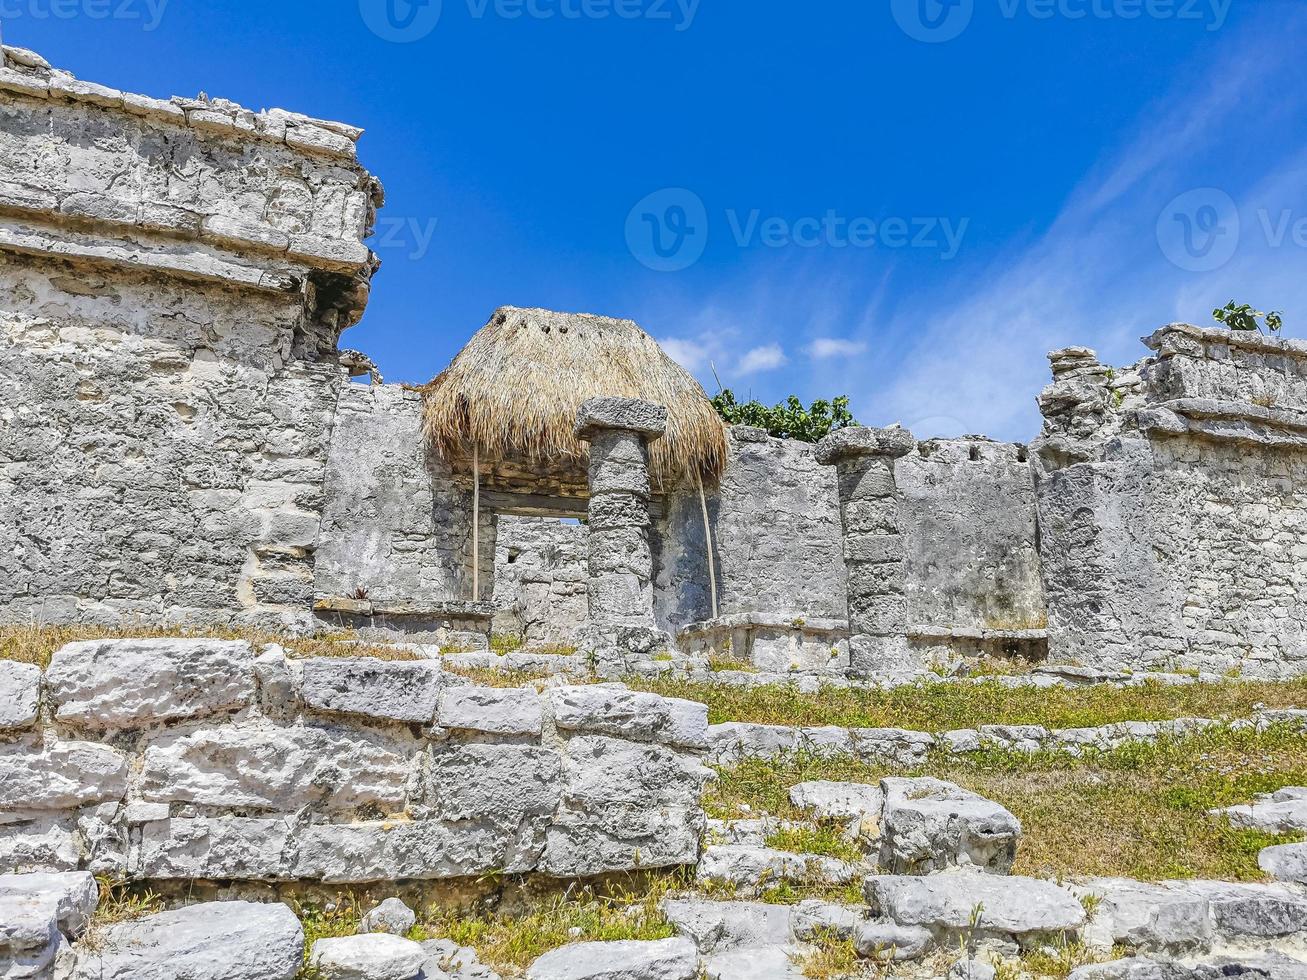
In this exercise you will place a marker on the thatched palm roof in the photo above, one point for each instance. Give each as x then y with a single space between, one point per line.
515 389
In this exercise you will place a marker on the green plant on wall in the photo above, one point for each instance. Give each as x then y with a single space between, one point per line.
789 419
1244 317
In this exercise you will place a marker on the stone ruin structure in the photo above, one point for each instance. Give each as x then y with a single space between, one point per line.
184 442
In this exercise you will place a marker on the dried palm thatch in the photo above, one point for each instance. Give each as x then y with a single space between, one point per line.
515 389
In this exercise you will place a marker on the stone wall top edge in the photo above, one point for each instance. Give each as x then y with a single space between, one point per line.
1243 339
25 73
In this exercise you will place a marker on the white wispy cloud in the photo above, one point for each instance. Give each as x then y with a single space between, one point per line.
824 348
766 358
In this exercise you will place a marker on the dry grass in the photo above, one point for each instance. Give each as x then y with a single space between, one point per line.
509 932
1139 811
516 388
489 677
832 957
120 901
942 706
37 644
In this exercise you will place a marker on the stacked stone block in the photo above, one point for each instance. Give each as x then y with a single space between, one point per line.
177 759
620 590
873 547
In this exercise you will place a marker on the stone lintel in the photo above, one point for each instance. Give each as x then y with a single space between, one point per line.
862 440
626 414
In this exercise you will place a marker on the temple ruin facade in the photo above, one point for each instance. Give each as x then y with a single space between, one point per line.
183 441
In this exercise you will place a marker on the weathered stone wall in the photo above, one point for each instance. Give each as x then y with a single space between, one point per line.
174 277
970 536
178 759
1174 505
540 576
395 525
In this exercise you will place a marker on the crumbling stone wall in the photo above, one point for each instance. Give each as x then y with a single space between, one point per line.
396 527
540 576
174 277
1173 506
195 759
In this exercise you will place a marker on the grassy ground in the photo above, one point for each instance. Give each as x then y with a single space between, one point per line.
35 645
948 705
1139 811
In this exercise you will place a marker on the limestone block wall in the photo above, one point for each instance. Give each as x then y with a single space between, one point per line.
970 536
1173 507
180 759
174 277
394 523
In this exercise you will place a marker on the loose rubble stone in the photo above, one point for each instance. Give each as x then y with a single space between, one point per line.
758 963
496 711
719 926
390 690
903 748
1251 967
1285 862
838 801
128 683
57 775
1187 917
20 694
29 932
662 959
944 903
929 825
391 916
971 970
755 867
375 956
210 941
885 940
260 765
449 961
813 915
74 896
1282 812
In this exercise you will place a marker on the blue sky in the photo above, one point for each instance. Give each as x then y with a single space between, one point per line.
900 200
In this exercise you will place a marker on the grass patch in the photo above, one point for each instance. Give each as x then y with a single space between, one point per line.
832 957
120 901
489 677
37 644
1139 811
508 936
942 706
823 839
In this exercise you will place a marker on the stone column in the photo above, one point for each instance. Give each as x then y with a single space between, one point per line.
873 548
620 589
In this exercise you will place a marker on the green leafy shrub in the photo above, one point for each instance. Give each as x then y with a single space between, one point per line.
1244 317
789 419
